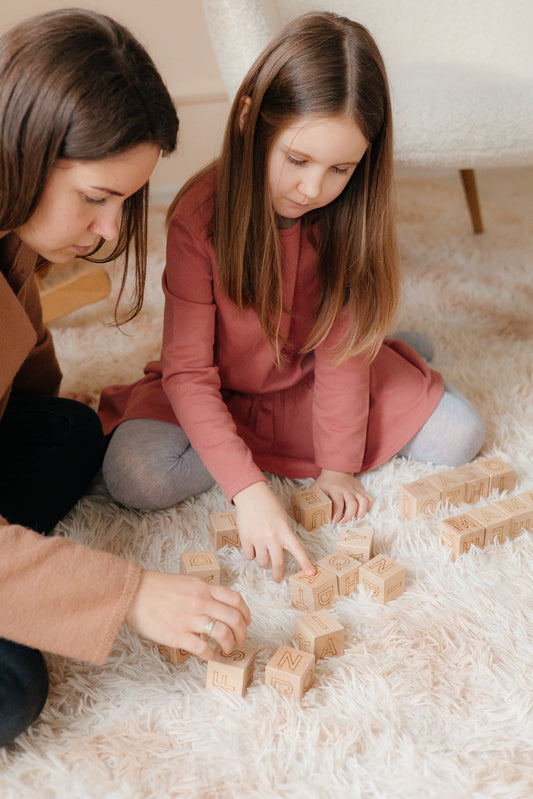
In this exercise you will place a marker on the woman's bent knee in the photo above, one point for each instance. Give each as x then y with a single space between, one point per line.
23 688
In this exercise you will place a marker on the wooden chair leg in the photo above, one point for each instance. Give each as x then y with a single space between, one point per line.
468 177
91 286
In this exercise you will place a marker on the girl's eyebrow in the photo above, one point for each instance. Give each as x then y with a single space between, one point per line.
308 157
108 191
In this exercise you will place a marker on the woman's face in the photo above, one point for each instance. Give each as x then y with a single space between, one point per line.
82 201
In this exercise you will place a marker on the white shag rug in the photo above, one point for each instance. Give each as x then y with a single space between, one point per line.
433 696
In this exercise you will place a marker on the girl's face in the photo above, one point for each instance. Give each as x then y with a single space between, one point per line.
82 200
310 163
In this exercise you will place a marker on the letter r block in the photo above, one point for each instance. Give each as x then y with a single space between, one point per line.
223 530
383 578
313 593
290 671
201 564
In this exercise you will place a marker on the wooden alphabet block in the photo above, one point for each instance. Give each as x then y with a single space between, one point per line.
319 633
460 533
174 656
502 476
519 511
356 542
419 497
232 672
313 593
345 568
477 482
223 530
290 671
450 484
383 578
201 564
496 522
311 508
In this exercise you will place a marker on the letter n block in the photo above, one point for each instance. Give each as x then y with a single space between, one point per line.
450 484
477 482
419 497
223 530
520 512
356 542
311 508
345 568
201 564
319 633
290 671
174 656
461 532
313 593
232 672
502 476
383 578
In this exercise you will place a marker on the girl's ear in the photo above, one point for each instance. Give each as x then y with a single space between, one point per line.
244 111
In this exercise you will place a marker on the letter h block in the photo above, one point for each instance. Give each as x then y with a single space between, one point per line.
223 530
383 578
201 564
345 568
319 633
291 671
314 592
311 508
232 672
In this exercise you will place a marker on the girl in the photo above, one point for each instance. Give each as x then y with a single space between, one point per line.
84 117
281 281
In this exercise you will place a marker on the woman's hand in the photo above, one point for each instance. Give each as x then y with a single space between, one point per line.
174 609
265 530
347 494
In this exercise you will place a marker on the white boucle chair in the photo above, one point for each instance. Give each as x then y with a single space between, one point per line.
461 73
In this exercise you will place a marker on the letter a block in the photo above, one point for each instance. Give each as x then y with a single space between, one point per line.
383 578
201 564
356 542
319 633
232 672
290 671
460 533
313 593
174 656
419 497
311 508
345 568
223 530
502 476
495 521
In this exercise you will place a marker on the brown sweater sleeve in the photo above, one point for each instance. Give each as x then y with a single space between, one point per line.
61 596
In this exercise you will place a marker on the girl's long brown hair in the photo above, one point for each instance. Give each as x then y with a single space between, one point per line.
320 64
76 84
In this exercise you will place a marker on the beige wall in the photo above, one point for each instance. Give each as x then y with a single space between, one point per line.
175 34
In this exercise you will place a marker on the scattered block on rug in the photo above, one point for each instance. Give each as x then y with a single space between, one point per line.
419 497
201 564
319 633
383 578
291 671
344 568
311 508
232 672
223 530
502 476
461 532
519 511
313 592
174 656
356 542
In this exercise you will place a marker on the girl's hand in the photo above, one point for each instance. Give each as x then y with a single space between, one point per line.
347 494
265 530
174 609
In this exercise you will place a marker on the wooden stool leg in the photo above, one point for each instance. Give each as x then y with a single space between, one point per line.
468 178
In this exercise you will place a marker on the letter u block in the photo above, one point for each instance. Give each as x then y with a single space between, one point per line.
383 578
419 497
502 476
319 633
356 542
311 508
345 568
290 671
313 593
223 530
201 564
232 672
461 532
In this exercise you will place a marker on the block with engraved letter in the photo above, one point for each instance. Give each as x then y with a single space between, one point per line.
383 578
496 522
291 671
461 532
345 568
451 485
311 508
313 592
223 530
319 633
476 480
174 656
356 542
201 564
520 512
502 476
419 497
232 672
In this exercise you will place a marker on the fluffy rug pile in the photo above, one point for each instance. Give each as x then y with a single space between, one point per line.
433 696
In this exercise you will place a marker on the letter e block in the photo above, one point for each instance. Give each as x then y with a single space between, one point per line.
450 484
520 512
232 672
477 482
383 578
502 476
174 656
461 532
313 593
356 542
345 568
319 633
223 530
419 497
291 671
201 564
311 508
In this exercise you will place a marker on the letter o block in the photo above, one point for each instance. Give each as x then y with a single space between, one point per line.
419 497
232 672
345 568
291 671
223 530
356 542
319 633
383 578
313 593
201 564
311 507
502 476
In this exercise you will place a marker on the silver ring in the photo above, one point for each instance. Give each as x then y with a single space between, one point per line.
209 626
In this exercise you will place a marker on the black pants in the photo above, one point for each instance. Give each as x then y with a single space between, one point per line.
50 450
